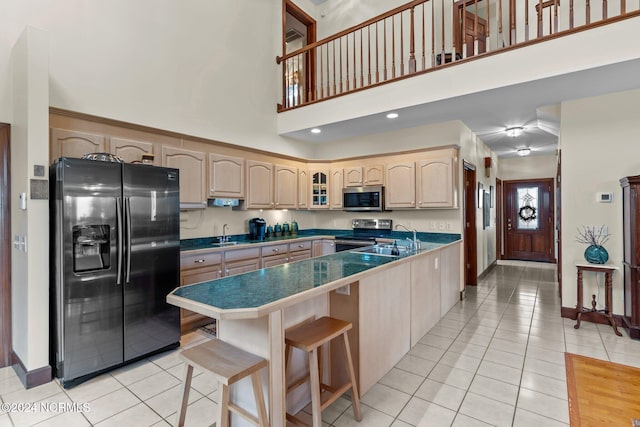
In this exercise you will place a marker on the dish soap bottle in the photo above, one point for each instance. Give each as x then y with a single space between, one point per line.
394 249
294 227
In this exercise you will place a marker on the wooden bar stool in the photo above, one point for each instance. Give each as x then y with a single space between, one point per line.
228 364
310 337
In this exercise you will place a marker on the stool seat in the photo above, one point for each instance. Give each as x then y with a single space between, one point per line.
228 364
310 337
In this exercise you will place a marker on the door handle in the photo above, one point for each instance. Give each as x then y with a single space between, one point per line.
120 238
128 220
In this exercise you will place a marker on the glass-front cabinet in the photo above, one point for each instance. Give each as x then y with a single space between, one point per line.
319 190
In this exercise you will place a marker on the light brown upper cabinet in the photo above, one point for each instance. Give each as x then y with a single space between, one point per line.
259 185
130 151
303 189
427 183
335 195
68 143
286 187
192 167
226 176
319 189
357 176
435 181
401 186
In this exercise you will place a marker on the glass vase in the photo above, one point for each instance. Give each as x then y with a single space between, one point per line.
596 254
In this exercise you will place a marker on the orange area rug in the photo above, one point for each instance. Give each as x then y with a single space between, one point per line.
602 393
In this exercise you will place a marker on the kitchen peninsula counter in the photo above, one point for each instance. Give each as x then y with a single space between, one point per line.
391 301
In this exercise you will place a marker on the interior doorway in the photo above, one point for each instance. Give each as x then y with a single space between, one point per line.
5 246
470 24
299 30
470 232
528 220
499 237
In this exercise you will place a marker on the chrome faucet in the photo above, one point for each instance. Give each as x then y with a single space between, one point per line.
224 237
415 237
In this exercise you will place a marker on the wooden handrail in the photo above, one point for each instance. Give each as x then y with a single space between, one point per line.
349 30
330 67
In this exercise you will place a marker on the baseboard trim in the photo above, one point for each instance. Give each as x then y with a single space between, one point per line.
487 270
572 313
32 378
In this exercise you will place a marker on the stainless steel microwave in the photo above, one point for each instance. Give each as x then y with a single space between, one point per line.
363 199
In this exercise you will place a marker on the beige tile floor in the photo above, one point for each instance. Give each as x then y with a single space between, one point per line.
495 359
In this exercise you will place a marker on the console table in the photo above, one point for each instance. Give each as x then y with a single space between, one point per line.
608 270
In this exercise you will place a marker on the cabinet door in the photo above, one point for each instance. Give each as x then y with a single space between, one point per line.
300 255
335 195
189 319
435 181
319 190
353 176
373 175
226 176
272 261
425 295
286 187
450 279
401 186
241 266
328 247
259 185
130 151
192 166
67 143
303 189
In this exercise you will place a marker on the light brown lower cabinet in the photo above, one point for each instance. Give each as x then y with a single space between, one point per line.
196 268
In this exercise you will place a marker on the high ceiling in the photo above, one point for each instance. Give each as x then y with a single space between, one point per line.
534 105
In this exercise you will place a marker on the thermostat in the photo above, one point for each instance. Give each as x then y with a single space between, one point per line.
604 197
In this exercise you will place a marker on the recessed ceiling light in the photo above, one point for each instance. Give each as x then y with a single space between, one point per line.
515 131
392 115
316 130
524 151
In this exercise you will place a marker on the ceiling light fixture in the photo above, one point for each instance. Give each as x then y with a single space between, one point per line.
515 131
524 152
315 130
392 115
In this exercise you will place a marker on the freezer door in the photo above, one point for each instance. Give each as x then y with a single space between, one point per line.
86 296
151 269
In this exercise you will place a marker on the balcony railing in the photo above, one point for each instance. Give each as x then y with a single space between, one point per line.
424 35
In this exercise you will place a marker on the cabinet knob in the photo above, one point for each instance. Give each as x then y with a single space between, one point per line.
220 272
198 261
413 202
301 246
276 250
226 271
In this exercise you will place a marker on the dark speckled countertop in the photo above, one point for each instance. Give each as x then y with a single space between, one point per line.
246 295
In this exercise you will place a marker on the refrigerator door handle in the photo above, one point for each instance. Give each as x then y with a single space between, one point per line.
120 238
128 220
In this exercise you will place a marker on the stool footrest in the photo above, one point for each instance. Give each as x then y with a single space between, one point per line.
335 395
245 414
297 383
295 420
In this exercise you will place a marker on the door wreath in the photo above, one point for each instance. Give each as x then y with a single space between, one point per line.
527 213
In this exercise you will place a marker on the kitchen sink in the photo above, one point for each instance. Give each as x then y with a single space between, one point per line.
222 244
383 250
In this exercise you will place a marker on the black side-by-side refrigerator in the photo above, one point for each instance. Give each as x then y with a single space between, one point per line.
115 255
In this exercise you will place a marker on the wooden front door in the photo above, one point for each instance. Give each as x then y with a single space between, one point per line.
5 248
470 234
469 26
528 220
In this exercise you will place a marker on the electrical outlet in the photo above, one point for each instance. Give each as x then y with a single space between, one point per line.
441 226
449 226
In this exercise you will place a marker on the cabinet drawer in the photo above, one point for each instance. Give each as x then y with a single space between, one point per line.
238 254
188 261
275 249
300 246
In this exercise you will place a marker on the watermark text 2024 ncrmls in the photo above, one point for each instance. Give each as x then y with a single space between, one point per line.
57 407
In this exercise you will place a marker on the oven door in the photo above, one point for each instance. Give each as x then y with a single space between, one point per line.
348 245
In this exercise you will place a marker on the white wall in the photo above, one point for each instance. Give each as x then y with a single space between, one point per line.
599 147
207 69
29 147
529 167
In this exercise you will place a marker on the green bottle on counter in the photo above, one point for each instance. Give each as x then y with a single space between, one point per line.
294 227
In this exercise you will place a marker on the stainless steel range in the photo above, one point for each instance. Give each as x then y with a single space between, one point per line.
364 233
